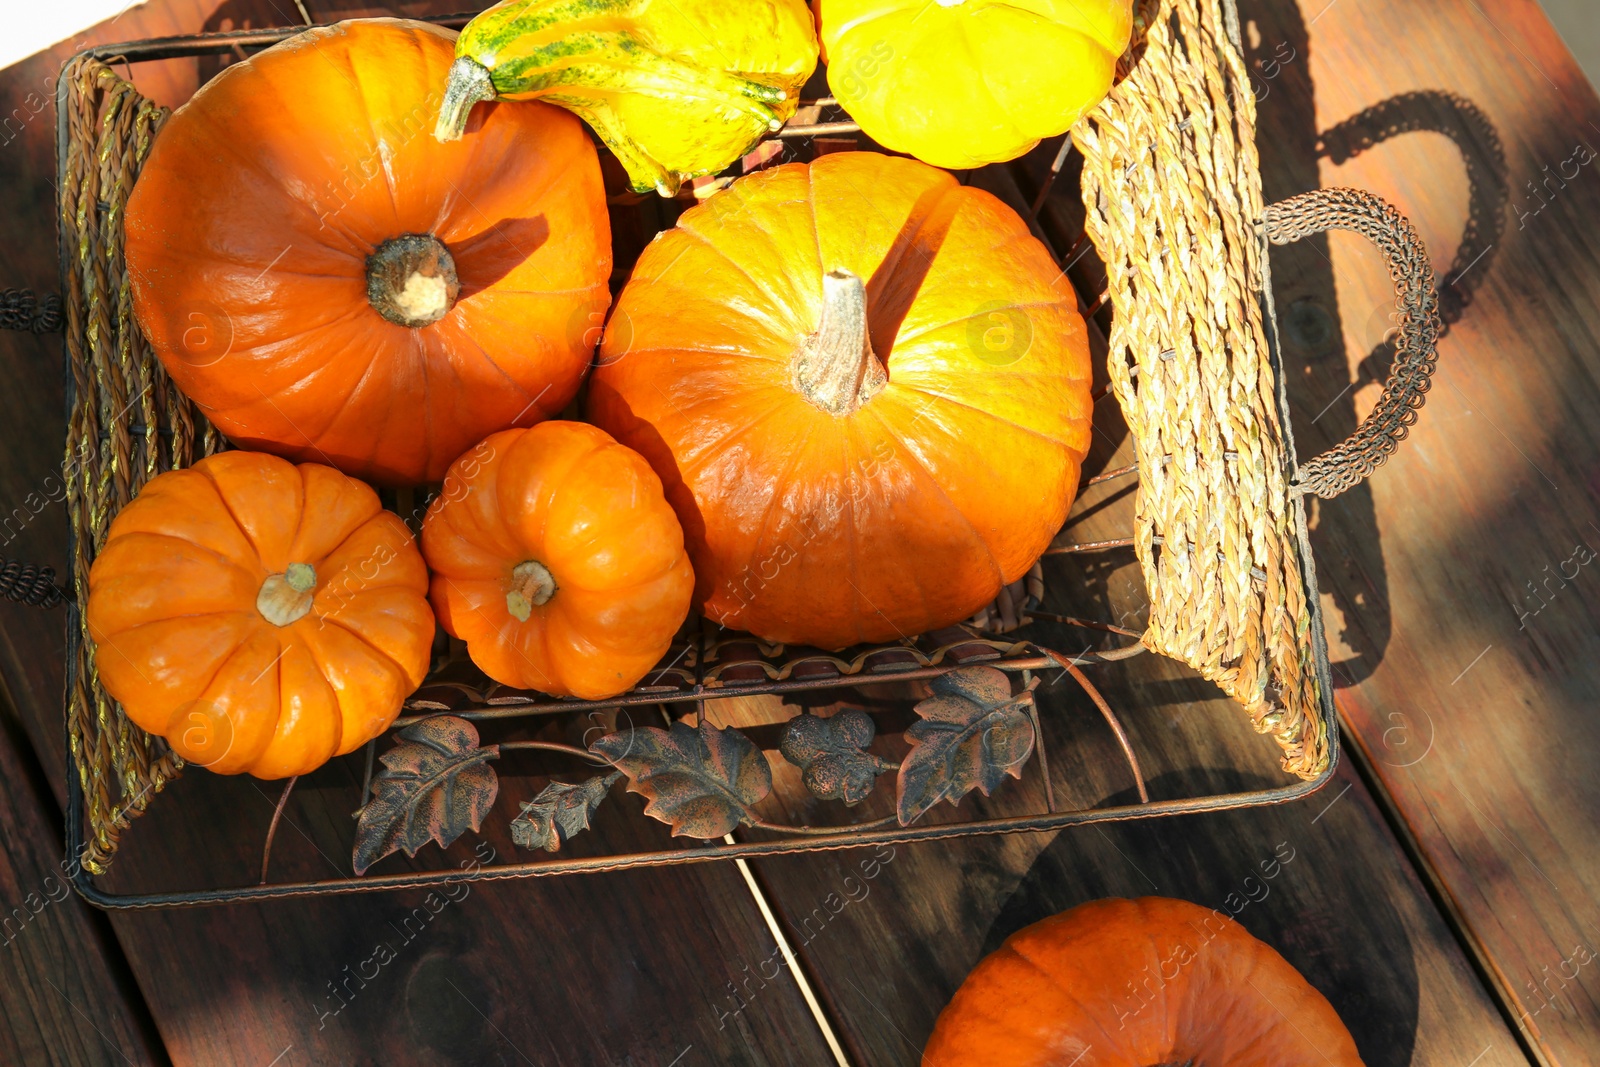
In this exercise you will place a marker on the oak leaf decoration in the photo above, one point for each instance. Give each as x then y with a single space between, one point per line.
972 733
550 819
436 784
700 780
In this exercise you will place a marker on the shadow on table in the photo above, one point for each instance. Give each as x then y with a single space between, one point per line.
234 15
1320 910
1322 377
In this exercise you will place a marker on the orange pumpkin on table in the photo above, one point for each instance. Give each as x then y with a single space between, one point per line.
1129 983
260 616
557 560
866 389
330 283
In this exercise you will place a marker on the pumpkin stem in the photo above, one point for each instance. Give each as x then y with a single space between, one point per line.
532 586
470 82
411 280
836 369
285 598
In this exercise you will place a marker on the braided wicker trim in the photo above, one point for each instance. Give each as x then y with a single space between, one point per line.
1172 187
127 424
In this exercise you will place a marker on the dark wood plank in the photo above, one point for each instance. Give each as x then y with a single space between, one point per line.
608 970
603 969
66 996
1345 909
1462 613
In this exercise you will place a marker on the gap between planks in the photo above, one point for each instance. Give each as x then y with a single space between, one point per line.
1497 985
771 919
767 914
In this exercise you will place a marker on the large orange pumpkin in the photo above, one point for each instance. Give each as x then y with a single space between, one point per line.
557 560
866 389
1129 983
330 283
260 616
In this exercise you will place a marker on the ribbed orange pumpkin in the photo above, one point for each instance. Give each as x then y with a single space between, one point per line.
1130 983
557 560
261 617
866 389
331 284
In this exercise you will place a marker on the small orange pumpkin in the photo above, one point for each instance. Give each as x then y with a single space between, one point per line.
557 560
331 284
1126 983
261 617
866 389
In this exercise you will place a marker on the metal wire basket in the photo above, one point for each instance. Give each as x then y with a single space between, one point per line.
1218 525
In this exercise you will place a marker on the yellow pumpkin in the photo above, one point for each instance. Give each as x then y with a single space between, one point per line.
962 83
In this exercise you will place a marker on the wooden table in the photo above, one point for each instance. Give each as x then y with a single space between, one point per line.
1435 892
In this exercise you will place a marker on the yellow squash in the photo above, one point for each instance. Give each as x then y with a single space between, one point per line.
676 88
961 83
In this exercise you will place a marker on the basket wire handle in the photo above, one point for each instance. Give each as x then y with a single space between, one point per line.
27 584
21 310
24 582
1417 301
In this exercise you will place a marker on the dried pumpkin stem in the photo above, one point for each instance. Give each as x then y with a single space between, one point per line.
469 84
286 598
411 280
836 369
532 586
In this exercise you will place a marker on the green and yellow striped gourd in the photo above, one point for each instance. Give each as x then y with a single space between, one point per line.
675 88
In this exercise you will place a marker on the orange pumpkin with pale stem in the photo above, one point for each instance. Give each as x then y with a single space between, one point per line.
866 389
260 616
330 283
557 560
1082 980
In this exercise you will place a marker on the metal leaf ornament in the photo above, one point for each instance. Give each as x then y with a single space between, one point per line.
435 785
550 819
972 734
830 754
699 780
